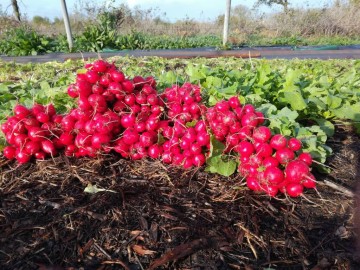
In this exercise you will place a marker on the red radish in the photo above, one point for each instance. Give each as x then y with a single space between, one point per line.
148 138
309 181
271 190
22 157
155 151
99 140
40 155
128 86
270 162
252 183
43 117
68 123
306 157
203 138
148 89
245 148
105 80
20 140
167 157
248 108
73 91
262 134
198 160
296 171
130 136
100 66
273 175
48 147
278 141
264 150
32 147
84 88
128 120
284 155
92 76
294 144
37 108
260 117
97 89
250 120
234 102
37 134
117 76
141 98
21 111
152 123
9 152
66 138
222 106
294 189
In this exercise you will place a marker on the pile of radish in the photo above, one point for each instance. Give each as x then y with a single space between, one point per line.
130 117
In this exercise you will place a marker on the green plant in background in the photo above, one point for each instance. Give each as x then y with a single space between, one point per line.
21 41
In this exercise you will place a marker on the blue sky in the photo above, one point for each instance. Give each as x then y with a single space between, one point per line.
174 9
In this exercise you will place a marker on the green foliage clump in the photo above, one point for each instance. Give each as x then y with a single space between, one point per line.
22 41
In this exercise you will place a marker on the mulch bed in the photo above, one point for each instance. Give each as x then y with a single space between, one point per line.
152 216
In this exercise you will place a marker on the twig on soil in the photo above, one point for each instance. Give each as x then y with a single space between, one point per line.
341 189
99 248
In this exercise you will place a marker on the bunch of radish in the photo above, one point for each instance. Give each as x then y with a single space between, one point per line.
32 132
129 116
186 140
270 163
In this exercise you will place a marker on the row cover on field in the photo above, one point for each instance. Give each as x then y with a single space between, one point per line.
303 99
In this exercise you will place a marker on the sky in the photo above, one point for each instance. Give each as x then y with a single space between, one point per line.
175 9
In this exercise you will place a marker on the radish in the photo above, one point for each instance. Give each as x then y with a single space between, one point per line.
92 76
284 155
309 181
294 144
32 147
296 171
9 152
245 148
306 157
130 136
252 183
100 66
278 142
22 157
198 160
21 111
294 189
154 151
273 175
261 134
234 102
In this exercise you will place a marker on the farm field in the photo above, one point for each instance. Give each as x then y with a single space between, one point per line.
109 212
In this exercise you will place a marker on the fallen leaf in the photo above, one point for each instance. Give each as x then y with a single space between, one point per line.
93 189
142 251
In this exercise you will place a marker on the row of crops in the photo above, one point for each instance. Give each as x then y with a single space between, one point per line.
302 101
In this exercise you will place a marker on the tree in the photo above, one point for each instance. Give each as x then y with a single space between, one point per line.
269 3
15 7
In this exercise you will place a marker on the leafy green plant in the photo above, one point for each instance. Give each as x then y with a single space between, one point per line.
22 41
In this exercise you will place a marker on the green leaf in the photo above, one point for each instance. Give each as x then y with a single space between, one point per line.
326 126
296 100
221 165
216 147
286 113
333 101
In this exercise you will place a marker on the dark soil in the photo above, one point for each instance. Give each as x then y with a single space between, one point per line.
151 216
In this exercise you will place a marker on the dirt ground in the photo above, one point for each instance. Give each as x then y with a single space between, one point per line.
146 215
